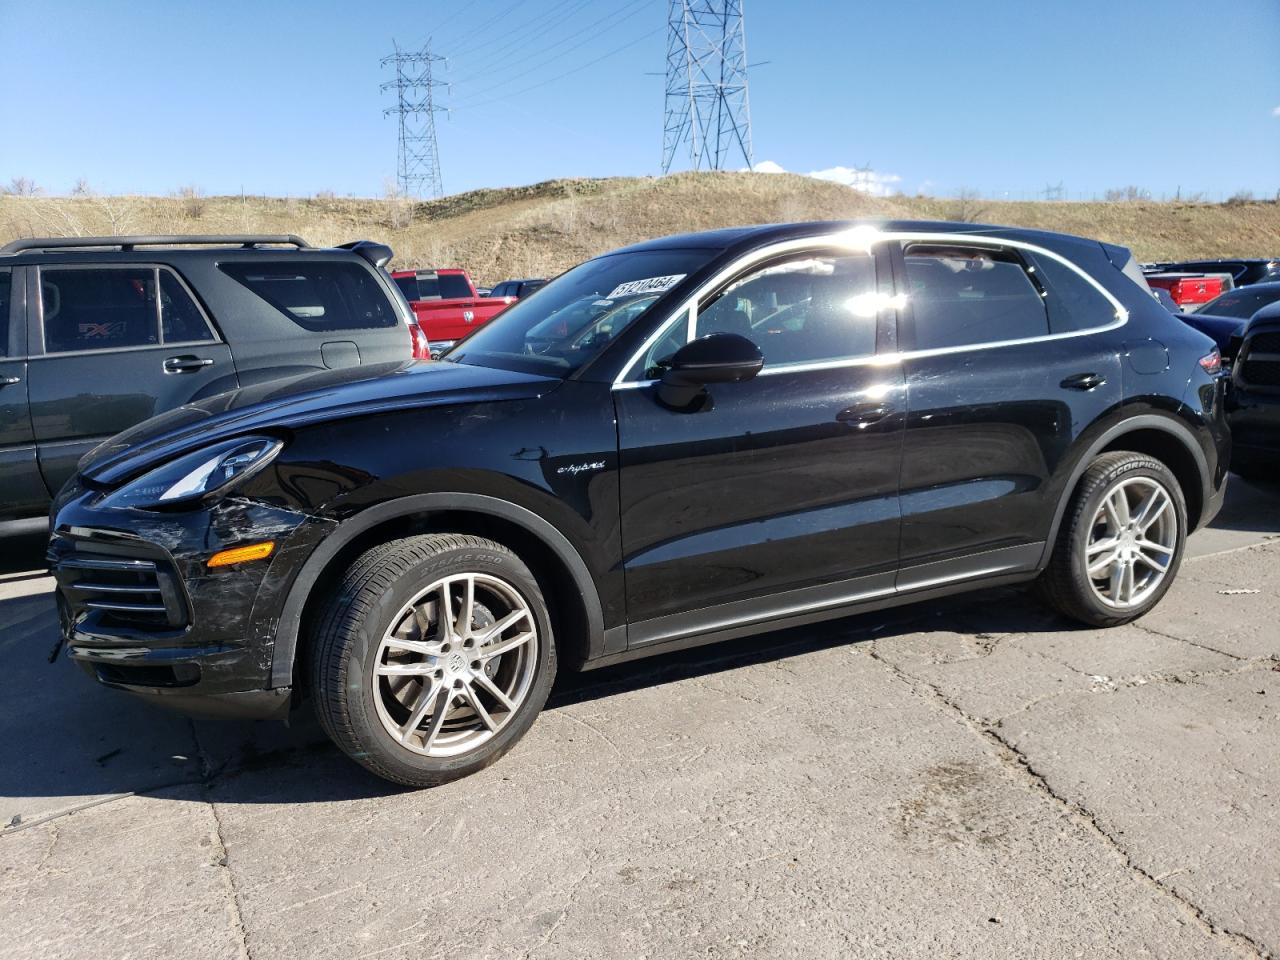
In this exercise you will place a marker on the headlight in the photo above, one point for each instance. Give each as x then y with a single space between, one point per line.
197 475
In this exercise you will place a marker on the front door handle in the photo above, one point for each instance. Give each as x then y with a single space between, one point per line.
186 364
1083 381
865 414
9 381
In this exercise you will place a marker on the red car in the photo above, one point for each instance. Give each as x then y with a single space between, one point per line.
446 304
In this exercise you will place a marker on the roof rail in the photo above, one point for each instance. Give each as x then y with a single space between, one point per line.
129 243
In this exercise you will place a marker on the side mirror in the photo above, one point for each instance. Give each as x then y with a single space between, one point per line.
716 358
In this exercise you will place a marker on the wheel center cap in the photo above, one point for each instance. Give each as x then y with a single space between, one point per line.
456 663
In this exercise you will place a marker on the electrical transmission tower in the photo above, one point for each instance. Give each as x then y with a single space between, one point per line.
706 101
418 157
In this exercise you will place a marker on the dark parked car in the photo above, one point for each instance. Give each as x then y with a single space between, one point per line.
97 334
1254 401
515 289
793 423
1224 317
1241 271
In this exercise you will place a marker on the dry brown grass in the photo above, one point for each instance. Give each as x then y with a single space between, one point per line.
543 228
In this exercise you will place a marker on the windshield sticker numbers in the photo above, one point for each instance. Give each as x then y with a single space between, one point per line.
651 285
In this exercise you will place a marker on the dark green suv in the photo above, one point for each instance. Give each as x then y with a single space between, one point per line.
98 334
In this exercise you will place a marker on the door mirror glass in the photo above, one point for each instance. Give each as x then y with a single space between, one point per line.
715 358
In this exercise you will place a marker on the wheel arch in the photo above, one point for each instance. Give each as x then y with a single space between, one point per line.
570 591
1163 437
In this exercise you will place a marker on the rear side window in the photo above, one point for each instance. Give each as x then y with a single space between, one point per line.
501 290
319 296
1073 302
453 286
964 296
5 299
180 319
98 309
408 286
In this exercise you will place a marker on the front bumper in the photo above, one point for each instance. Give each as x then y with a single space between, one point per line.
140 610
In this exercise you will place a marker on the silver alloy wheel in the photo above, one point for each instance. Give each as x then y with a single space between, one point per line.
456 664
1131 542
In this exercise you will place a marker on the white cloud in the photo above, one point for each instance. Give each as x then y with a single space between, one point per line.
1276 112
868 181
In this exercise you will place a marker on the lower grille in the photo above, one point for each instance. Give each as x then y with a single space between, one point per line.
1266 343
1261 356
129 591
1260 373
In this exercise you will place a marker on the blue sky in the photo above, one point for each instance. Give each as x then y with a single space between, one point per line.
997 96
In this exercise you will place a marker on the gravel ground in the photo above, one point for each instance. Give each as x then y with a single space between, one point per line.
973 777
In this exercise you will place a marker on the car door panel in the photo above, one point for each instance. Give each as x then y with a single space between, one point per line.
786 482
79 397
22 490
989 439
767 491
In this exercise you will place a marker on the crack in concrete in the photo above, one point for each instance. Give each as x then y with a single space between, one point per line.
1201 646
235 916
1015 761
53 842
570 894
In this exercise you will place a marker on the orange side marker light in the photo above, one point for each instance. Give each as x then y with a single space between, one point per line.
255 551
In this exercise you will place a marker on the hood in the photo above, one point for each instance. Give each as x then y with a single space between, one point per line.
1271 312
296 401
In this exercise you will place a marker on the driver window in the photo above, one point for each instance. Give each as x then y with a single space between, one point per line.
805 309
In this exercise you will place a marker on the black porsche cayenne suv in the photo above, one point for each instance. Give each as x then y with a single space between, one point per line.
685 441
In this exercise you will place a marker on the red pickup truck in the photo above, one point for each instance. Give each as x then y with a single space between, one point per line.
446 304
1191 291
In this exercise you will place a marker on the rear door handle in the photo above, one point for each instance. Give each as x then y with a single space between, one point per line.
865 414
9 381
186 364
1083 381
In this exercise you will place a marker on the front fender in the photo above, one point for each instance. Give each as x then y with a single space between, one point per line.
287 625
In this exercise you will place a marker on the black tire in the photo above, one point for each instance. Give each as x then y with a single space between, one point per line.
349 630
1065 585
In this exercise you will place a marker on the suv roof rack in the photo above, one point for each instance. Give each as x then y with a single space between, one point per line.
128 243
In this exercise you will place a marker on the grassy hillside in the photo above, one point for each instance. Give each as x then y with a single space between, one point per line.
543 228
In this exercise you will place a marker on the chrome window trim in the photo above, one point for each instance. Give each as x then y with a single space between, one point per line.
865 239
155 267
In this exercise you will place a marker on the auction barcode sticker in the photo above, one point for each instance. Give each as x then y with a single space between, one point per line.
651 285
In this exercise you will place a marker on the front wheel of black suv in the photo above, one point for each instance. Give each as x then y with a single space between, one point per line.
1120 543
432 657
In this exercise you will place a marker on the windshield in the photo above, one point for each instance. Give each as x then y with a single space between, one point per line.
568 322
1242 303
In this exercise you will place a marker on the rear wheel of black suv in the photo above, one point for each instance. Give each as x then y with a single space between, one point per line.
432 658
1120 543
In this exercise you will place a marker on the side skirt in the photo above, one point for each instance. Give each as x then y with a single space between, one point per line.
731 621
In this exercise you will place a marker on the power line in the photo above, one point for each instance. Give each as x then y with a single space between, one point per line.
538 66
417 154
477 31
513 35
626 12
577 69
706 101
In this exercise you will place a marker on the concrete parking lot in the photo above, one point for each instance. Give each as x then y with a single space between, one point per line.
973 777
